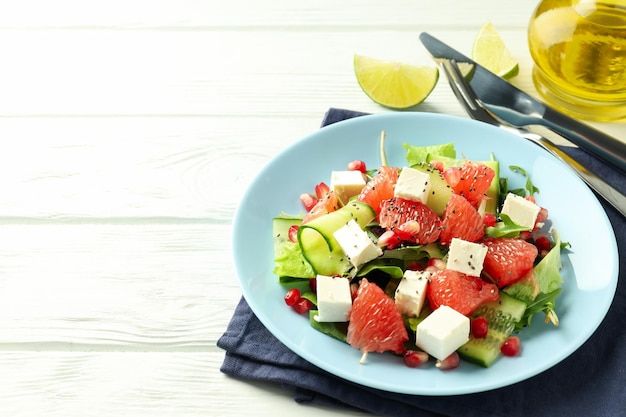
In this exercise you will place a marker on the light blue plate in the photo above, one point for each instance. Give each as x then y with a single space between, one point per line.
590 270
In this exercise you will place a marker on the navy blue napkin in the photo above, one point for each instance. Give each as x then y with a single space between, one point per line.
590 382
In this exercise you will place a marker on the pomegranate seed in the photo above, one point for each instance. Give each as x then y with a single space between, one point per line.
293 233
489 220
525 235
450 362
543 243
292 297
389 239
542 216
308 201
479 327
357 165
414 265
321 190
511 346
435 264
302 306
415 358
313 284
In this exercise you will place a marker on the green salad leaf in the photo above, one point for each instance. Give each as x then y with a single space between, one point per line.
417 154
529 187
289 262
549 280
505 228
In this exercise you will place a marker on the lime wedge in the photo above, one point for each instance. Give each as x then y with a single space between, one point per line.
394 84
490 51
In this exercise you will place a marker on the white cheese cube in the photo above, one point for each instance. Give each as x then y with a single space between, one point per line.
411 292
466 257
356 244
334 300
521 211
346 184
442 332
413 185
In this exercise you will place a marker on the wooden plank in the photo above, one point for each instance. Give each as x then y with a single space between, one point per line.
107 168
140 14
191 73
177 384
153 286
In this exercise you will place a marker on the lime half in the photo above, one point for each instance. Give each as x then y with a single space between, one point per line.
490 51
394 84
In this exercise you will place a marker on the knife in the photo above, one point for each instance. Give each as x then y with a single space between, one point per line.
520 109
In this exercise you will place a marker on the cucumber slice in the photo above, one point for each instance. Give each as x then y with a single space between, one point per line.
440 191
502 316
493 192
318 245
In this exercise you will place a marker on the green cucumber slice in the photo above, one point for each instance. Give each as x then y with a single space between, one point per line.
502 316
318 245
440 191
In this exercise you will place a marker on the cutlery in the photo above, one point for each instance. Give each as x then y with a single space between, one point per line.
521 110
474 107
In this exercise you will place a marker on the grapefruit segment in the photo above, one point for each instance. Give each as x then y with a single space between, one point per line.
376 324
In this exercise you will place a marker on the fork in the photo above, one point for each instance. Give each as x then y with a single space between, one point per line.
475 109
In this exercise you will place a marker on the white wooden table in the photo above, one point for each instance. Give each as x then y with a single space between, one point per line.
129 130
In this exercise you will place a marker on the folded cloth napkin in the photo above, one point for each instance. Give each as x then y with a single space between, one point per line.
590 382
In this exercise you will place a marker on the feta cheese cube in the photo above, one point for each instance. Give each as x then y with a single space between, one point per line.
521 211
411 292
413 184
346 184
334 300
466 257
356 244
442 332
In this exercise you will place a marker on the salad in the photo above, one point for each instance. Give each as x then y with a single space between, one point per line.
439 258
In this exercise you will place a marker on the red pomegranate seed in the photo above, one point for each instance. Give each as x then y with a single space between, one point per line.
308 201
479 327
415 358
293 233
511 346
292 297
313 284
357 165
542 216
489 220
302 306
543 243
450 362
435 264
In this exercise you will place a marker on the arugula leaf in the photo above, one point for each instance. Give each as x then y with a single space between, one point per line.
417 154
529 185
505 228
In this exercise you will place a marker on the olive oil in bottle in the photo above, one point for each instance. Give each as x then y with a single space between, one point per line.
579 50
